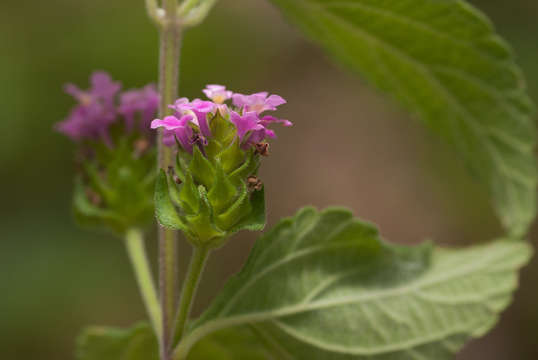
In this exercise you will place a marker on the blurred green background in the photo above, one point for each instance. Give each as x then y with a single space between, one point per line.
349 146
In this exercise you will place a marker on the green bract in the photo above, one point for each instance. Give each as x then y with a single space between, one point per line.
207 196
115 187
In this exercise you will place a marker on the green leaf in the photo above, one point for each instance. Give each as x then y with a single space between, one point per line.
256 218
223 191
139 343
164 208
90 215
230 344
189 195
201 168
444 62
202 224
323 285
240 209
106 343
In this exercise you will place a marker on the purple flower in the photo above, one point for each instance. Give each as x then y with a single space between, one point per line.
245 123
250 128
258 102
268 119
217 93
142 102
200 109
176 128
102 88
95 112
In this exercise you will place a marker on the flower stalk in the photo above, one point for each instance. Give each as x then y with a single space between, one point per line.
136 250
188 292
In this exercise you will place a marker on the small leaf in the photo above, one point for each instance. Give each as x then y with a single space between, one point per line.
444 62
106 343
189 195
256 218
202 224
232 157
98 182
323 285
249 167
87 214
164 208
201 169
223 191
239 210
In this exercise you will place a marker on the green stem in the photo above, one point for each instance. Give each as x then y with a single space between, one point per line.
170 44
187 6
134 243
188 292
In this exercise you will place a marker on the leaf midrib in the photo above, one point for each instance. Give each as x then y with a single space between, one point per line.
423 282
481 133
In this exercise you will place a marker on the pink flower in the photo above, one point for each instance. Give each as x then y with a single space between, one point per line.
176 128
199 108
143 102
258 102
217 93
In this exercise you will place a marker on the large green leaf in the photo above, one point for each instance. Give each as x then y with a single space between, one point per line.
322 285
443 61
139 343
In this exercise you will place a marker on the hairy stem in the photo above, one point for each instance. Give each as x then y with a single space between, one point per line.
170 43
136 250
188 292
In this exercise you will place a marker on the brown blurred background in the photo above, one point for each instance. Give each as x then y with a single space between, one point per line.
349 146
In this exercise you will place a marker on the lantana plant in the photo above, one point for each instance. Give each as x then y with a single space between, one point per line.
320 284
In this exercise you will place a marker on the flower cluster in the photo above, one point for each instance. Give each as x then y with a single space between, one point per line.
116 179
102 106
213 190
190 124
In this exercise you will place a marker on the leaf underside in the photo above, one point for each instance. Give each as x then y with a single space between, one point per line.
443 61
322 285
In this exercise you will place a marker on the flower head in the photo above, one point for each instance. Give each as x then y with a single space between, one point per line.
108 195
219 154
217 93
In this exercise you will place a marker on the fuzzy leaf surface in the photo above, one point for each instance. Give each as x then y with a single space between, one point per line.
444 62
323 285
